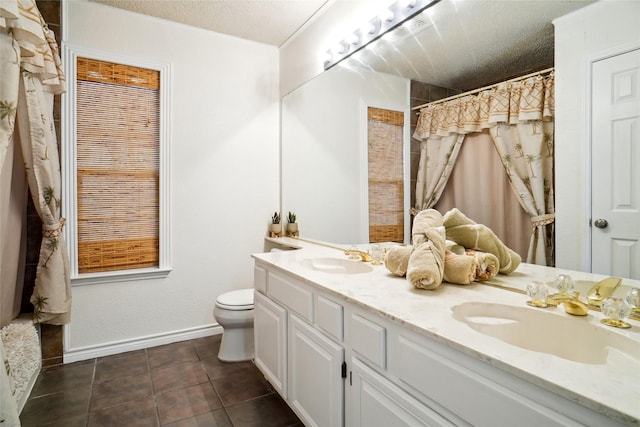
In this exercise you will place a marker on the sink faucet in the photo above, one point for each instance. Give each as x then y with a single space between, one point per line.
570 301
365 257
602 290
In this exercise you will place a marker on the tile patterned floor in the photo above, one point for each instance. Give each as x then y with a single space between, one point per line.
181 384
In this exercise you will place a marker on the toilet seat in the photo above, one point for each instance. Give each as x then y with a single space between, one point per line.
236 300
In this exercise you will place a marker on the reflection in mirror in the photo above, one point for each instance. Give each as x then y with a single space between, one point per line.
324 151
452 47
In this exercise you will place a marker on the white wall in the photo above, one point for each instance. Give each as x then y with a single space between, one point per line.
224 176
589 33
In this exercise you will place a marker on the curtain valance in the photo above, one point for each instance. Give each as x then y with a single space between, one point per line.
38 50
26 43
507 103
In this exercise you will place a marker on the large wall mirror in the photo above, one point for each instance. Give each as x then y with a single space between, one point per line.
458 45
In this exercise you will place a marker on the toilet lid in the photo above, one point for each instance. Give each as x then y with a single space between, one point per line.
236 300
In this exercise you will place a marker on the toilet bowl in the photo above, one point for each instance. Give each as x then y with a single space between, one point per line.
234 312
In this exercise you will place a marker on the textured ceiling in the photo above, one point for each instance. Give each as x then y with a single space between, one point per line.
263 21
458 44
469 44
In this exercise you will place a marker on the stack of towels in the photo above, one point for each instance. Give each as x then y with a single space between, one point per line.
450 248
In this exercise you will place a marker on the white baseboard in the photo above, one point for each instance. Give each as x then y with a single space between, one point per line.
77 354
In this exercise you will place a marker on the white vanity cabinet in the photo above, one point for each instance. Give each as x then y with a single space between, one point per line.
337 361
316 386
376 401
270 331
298 334
402 378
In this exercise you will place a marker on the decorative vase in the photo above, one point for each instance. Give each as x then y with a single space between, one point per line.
275 230
292 229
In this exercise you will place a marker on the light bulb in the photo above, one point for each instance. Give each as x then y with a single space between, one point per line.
368 28
386 15
353 38
340 48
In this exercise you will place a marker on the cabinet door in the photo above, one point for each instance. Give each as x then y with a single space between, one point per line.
316 386
378 402
270 334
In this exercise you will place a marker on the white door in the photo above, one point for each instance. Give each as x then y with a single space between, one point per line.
270 337
316 386
379 403
615 158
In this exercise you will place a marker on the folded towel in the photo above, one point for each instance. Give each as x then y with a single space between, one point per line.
459 269
397 259
452 246
426 261
487 264
467 233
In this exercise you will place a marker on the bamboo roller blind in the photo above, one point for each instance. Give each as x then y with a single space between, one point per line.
386 177
118 133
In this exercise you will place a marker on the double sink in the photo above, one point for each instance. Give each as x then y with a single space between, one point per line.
545 331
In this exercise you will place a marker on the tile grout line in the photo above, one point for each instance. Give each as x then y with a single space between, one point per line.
93 378
154 395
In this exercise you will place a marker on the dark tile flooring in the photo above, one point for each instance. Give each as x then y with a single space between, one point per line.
181 384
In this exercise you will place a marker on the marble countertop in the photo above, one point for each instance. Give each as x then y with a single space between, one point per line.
609 388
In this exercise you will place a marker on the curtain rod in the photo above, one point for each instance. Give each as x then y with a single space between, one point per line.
471 92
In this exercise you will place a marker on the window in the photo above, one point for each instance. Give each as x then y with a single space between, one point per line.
115 147
386 175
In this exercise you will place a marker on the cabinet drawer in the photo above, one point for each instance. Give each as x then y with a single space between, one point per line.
260 279
294 296
369 339
439 377
329 317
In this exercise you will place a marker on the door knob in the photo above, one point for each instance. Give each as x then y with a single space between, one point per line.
601 223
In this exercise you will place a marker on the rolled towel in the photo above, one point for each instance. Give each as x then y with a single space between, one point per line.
459 269
426 262
452 246
397 259
487 264
471 235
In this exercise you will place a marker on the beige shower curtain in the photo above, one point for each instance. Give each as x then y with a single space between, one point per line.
519 115
31 75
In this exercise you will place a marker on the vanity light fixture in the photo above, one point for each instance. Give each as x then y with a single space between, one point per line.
376 27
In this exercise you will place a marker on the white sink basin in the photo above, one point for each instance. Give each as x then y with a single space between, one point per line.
337 265
571 338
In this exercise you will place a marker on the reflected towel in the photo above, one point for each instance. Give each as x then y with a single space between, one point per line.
452 246
487 264
471 235
426 261
459 269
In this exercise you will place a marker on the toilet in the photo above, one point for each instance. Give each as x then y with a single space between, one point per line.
234 312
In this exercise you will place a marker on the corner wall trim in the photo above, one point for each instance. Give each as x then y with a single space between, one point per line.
83 353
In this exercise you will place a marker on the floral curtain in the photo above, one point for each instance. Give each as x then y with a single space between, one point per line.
519 116
437 157
27 100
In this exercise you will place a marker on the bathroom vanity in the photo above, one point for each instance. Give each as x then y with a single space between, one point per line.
346 343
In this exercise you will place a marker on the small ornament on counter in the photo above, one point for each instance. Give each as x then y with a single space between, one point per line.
275 228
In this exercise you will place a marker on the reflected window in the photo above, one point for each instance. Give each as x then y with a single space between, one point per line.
385 131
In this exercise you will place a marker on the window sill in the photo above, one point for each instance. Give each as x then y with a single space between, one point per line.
120 276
